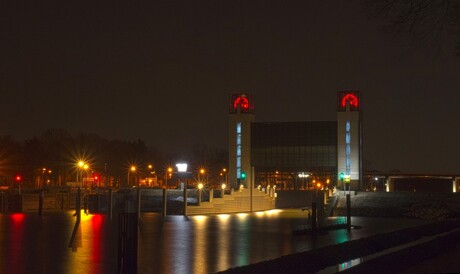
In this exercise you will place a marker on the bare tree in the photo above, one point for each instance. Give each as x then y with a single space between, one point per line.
422 20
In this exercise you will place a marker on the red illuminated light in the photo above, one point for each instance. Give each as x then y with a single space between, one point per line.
241 101
351 99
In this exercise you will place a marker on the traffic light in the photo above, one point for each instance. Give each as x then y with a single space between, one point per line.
18 178
342 176
96 177
243 175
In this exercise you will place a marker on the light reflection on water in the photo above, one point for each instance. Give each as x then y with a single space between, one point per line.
171 244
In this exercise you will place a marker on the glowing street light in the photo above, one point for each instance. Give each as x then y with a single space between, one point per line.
131 169
80 165
168 174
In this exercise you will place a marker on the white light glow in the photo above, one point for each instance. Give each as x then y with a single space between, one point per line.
181 167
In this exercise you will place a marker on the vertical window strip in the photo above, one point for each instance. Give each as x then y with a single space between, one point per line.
238 150
347 148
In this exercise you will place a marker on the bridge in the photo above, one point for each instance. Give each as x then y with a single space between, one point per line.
391 182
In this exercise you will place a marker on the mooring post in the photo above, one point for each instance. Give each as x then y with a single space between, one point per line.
198 197
98 202
348 212
313 217
110 204
77 205
165 199
40 203
127 239
138 203
185 199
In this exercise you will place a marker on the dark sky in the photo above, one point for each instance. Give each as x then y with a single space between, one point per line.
162 71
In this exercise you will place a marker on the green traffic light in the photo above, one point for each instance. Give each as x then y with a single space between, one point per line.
243 175
342 176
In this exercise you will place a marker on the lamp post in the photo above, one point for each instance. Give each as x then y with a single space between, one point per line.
85 168
169 171
182 168
131 169
80 165
222 187
201 174
200 188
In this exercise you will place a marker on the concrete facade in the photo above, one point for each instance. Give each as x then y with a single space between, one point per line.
239 144
349 133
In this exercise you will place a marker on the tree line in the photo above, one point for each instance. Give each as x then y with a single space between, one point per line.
52 158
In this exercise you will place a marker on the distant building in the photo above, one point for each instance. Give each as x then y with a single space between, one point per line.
295 155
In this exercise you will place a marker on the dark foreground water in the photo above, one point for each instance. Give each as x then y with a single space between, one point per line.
173 244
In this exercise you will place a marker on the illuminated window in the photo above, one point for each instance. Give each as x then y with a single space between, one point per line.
238 150
347 148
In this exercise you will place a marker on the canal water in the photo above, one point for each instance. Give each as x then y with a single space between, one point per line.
173 244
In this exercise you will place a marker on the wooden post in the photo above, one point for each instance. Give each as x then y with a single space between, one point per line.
127 239
138 203
77 205
198 198
40 203
165 200
348 212
110 204
313 218
185 200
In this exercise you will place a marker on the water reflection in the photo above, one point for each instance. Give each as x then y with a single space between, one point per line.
171 244
346 265
16 245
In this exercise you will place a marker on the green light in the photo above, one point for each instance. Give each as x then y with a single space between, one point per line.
243 175
342 176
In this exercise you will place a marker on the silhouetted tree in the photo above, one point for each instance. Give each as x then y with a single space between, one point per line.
422 20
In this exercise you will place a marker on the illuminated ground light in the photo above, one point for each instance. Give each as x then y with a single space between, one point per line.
200 218
260 213
223 216
242 216
273 212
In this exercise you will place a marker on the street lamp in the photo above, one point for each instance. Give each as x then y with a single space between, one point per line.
223 186
182 168
201 177
80 165
224 171
131 169
169 171
85 168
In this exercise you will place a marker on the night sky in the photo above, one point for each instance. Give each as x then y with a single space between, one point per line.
162 71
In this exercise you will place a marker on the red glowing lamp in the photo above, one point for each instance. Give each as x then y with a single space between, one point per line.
18 178
241 101
244 103
350 98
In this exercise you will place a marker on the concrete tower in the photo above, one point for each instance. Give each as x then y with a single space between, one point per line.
241 116
349 140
